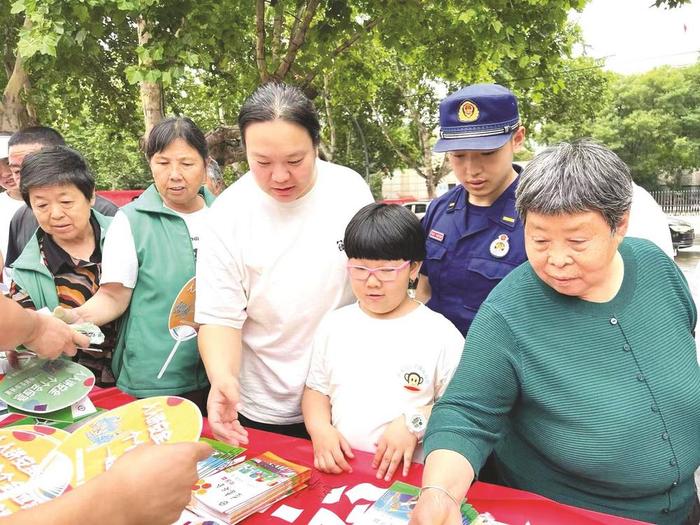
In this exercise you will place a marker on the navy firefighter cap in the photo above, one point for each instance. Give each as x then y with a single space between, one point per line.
477 117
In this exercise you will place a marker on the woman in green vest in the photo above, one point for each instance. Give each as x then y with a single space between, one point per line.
149 255
62 263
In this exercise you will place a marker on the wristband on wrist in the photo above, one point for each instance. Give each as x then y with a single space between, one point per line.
441 489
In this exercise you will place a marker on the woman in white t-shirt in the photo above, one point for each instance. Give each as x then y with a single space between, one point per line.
149 256
271 265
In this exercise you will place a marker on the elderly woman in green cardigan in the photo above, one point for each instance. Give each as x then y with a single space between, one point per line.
61 264
580 370
149 255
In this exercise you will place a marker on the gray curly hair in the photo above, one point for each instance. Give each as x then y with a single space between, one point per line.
576 177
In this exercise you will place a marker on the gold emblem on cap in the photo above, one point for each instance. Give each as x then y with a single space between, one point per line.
468 112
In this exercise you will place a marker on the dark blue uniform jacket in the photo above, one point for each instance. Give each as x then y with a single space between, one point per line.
462 264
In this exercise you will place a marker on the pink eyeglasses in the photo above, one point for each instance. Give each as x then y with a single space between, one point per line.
384 274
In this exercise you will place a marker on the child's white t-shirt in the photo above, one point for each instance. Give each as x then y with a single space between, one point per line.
374 370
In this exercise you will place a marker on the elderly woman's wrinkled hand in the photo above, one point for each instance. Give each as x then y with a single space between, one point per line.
435 508
53 337
68 315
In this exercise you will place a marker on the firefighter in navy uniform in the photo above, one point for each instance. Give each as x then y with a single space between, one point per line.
474 235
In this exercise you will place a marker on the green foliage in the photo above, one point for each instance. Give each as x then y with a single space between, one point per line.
86 61
670 4
375 185
651 120
569 110
113 154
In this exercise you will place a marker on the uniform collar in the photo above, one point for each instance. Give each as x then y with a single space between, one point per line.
501 212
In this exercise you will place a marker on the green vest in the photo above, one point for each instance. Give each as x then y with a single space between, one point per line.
166 262
34 278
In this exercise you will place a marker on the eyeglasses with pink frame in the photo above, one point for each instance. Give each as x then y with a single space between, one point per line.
384 274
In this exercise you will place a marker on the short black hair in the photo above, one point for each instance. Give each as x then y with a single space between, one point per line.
37 135
55 166
173 128
277 100
385 232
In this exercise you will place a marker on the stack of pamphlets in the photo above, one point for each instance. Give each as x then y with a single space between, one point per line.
394 507
236 492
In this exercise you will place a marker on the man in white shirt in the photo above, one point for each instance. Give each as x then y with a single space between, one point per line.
10 202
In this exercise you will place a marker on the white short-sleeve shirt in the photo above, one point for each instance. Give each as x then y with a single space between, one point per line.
374 370
273 270
119 260
8 207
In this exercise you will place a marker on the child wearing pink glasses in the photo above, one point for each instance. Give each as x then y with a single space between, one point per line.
378 365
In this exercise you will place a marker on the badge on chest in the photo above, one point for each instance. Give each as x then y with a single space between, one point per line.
500 247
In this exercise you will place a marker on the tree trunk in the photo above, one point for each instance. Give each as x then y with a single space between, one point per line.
329 119
151 92
277 28
260 41
424 142
225 146
296 39
15 114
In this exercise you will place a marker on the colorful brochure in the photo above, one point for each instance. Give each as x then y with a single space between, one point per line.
394 507
75 412
92 448
21 454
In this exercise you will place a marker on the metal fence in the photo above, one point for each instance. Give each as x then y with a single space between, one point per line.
678 202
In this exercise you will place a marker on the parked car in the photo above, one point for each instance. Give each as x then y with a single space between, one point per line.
417 207
682 233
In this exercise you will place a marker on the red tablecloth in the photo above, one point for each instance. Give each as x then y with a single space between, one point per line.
506 504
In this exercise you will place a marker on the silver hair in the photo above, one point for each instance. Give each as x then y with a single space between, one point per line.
576 177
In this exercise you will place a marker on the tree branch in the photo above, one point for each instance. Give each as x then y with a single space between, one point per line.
311 75
277 28
297 19
329 117
423 137
408 160
297 39
260 40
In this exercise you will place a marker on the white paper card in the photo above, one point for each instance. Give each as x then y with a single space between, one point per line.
287 513
334 495
365 491
326 517
82 408
356 513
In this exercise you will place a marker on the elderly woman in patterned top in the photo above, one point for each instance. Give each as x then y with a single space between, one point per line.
579 371
61 265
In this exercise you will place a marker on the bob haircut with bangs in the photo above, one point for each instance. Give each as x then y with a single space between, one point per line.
386 232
